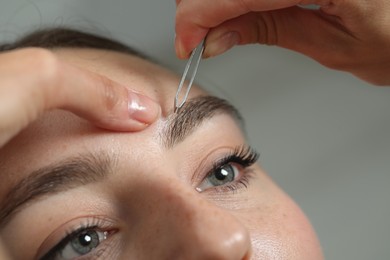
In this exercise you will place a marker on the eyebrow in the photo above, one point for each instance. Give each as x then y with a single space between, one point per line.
90 168
193 114
52 179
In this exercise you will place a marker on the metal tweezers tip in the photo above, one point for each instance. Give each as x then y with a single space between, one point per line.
198 50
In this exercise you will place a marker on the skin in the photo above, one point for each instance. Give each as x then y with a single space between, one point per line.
347 35
150 204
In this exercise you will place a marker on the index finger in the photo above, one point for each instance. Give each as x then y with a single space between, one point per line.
195 18
48 83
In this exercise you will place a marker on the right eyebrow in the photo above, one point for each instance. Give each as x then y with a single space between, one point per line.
62 176
193 114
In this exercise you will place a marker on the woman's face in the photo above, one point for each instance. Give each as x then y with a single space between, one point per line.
187 187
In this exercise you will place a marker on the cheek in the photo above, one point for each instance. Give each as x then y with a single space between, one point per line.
284 234
279 229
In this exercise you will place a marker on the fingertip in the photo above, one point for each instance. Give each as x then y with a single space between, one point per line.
187 38
138 113
142 108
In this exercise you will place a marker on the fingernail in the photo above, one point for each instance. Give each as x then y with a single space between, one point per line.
180 49
142 108
221 44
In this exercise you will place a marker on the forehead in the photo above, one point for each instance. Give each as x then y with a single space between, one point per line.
133 72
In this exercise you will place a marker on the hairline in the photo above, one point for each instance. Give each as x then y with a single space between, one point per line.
52 38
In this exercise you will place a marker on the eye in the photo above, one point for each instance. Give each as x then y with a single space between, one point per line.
231 172
79 244
220 176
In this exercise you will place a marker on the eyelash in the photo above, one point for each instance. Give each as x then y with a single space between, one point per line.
245 157
89 224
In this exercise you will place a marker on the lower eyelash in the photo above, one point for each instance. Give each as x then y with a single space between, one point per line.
242 183
89 223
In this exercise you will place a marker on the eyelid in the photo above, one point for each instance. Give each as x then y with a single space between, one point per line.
208 162
58 235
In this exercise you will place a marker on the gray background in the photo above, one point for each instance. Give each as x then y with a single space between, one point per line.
323 135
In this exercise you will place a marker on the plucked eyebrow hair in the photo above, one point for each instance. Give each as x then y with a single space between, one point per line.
91 168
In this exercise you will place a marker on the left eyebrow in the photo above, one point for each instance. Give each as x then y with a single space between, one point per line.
197 110
66 175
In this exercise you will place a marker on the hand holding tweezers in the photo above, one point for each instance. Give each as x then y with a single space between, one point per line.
198 52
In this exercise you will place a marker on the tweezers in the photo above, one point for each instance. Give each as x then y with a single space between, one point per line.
198 52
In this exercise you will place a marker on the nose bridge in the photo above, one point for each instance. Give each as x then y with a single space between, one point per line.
188 226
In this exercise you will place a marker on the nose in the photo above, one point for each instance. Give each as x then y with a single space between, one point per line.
176 222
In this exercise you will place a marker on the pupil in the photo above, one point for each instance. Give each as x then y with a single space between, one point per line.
85 240
221 174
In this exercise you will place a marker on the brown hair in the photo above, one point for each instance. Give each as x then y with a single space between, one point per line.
63 37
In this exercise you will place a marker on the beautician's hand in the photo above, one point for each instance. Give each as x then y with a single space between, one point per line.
349 35
33 80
